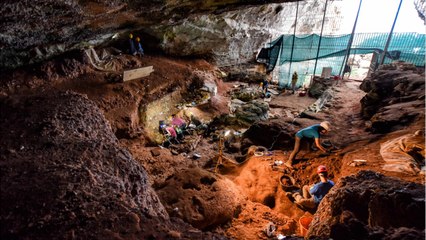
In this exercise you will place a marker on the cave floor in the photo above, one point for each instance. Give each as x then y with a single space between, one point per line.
259 178
256 179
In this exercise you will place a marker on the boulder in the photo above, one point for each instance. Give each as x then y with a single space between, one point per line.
244 114
237 74
394 117
395 97
319 85
253 111
247 94
65 175
369 205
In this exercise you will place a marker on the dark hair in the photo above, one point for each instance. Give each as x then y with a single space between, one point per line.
320 128
325 174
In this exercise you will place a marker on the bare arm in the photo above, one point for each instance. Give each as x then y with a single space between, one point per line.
318 144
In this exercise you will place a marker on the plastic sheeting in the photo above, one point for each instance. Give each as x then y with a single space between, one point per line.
408 47
107 63
396 155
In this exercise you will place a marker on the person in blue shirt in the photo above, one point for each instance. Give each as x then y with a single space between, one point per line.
140 51
313 194
265 85
132 48
312 132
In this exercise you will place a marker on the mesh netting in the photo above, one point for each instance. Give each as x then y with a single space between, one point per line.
307 57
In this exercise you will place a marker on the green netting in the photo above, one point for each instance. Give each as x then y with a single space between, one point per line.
408 47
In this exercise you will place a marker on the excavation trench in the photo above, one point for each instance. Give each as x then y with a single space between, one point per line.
67 172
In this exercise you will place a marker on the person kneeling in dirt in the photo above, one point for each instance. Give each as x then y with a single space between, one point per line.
170 133
310 132
179 122
264 84
313 194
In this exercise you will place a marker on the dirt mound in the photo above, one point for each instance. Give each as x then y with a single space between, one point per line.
160 163
370 205
201 198
260 182
64 175
252 222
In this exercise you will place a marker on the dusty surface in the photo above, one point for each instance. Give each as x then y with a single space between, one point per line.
76 132
64 175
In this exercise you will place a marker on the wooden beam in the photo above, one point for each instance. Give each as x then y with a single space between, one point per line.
137 73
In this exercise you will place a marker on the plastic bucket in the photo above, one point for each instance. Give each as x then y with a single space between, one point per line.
304 223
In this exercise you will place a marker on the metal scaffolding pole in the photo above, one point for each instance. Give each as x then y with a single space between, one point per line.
319 42
292 44
382 60
348 49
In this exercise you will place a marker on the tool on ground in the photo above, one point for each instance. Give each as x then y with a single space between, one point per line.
220 156
270 229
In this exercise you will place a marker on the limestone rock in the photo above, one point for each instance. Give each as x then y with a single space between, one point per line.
253 111
230 32
318 87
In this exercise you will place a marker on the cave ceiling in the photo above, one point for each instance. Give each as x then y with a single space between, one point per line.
35 30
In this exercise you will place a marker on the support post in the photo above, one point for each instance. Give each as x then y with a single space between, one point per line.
348 48
382 60
292 44
319 42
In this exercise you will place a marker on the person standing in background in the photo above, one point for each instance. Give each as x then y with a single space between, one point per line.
294 81
139 47
132 48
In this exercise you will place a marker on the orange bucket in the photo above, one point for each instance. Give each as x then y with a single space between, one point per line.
304 225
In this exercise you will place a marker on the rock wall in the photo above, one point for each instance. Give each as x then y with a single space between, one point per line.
370 206
64 174
395 97
236 37
34 32
421 8
230 32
